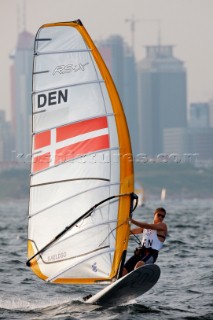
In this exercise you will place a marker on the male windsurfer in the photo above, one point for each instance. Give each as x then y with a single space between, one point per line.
153 237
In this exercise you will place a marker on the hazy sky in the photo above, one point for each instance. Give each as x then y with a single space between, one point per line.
186 24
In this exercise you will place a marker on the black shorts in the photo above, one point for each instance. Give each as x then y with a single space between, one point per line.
149 258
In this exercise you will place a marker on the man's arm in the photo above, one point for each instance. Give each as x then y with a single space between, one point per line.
144 225
136 230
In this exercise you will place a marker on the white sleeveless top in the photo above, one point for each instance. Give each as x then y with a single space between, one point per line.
150 239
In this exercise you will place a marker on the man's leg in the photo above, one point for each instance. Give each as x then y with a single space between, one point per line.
149 259
130 264
139 264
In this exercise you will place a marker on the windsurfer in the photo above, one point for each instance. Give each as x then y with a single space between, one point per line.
153 237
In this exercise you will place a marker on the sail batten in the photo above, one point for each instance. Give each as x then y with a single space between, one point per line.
59 52
82 255
77 234
71 160
90 118
81 170
37 112
91 227
42 39
54 277
40 72
67 85
76 179
75 195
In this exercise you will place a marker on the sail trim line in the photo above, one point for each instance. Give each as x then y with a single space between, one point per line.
66 199
85 215
39 72
36 112
72 160
38 53
91 227
68 180
78 256
68 86
43 39
78 121
77 233
81 255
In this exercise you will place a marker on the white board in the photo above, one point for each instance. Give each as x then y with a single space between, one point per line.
129 287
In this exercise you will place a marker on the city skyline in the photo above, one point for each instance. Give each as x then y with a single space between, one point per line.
184 25
167 75
160 73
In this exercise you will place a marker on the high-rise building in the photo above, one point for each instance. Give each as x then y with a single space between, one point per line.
120 61
6 141
195 142
21 87
199 115
130 100
175 141
201 142
112 51
162 97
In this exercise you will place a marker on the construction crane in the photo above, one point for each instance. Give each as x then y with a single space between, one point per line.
133 22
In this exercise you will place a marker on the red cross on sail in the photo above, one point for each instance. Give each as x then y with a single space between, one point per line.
61 144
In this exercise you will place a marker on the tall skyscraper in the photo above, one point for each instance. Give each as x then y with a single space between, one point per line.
162 97
21 87
199 115
121 64
5 139
112 51
201 142
130 100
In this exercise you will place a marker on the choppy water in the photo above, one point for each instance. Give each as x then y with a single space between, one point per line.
184 290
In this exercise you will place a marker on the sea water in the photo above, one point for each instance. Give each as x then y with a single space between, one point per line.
184 290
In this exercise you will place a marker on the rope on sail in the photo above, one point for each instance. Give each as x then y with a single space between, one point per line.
136 238
84 216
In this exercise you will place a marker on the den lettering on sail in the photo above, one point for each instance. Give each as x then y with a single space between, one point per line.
52 98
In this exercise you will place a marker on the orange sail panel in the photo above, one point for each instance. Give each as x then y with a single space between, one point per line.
82 171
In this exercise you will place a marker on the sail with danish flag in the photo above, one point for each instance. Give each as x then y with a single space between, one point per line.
82 182
70 141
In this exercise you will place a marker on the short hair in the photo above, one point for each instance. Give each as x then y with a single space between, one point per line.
160 210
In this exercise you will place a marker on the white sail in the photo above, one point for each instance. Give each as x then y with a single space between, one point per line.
79 145
163 194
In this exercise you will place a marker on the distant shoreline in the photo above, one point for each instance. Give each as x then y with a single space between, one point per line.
180 181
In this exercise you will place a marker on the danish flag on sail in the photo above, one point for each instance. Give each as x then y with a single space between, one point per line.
58 145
